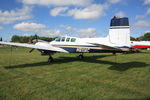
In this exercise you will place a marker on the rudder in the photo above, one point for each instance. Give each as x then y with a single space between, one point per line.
119 32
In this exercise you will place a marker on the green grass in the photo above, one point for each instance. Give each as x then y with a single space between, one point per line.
27 76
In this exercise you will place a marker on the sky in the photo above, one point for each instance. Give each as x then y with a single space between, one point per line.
80 18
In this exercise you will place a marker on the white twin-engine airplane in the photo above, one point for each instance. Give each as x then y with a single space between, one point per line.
117 41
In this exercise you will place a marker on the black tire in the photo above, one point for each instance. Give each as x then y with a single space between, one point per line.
50 60
114 53
81 57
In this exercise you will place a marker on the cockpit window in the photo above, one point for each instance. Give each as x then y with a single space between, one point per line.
68 39
63 39
73 39
58 39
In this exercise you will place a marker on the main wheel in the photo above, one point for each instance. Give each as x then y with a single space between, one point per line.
50 59
114 53
81 56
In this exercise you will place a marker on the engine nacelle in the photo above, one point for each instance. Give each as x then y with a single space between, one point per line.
45 52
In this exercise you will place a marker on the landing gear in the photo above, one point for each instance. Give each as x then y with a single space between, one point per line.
50 59
114 53
81 56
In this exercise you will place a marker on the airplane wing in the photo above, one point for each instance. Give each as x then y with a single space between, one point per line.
40 46
106 47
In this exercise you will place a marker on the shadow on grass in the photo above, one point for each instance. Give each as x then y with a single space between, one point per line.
126 66
90 59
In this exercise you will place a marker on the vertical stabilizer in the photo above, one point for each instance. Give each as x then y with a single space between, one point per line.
119 32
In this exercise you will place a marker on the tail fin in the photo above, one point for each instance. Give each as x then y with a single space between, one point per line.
119 32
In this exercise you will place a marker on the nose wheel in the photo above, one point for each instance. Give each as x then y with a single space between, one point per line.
81 56
50 59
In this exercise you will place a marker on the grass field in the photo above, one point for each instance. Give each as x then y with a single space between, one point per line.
27 76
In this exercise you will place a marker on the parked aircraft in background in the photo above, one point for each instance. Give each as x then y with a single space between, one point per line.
117 41
140 44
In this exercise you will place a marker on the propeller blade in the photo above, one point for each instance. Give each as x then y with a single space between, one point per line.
31 50
36 37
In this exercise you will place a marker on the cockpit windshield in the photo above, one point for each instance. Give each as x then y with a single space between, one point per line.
58 39
63 39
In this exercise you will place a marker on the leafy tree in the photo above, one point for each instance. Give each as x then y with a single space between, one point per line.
146 36
29 39
15 38
133 39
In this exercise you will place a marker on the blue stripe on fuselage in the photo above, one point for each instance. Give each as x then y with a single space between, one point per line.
74 49
89 46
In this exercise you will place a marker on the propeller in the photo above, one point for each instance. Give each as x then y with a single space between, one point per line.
35 40
31 50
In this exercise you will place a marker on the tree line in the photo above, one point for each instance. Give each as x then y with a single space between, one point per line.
29 39
145 37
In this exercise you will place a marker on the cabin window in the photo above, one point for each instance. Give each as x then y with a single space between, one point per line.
63 39
68 39
58 39
73 40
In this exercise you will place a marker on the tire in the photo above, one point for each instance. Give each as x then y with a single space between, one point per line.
81 57
50 60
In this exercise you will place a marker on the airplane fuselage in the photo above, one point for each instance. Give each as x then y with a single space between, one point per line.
85 45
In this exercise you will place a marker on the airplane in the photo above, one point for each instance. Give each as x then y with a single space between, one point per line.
117 41
140 44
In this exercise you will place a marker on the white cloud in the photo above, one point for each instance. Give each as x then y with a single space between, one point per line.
142 24
93 12
113 1
146 32
68 28
88 32
144 15
51 32
36 28
58 11
147 2
120 14
24 26
139 17
148 11
7 17
58 2
1 28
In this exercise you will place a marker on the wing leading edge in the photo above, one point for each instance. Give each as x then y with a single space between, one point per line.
39 45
